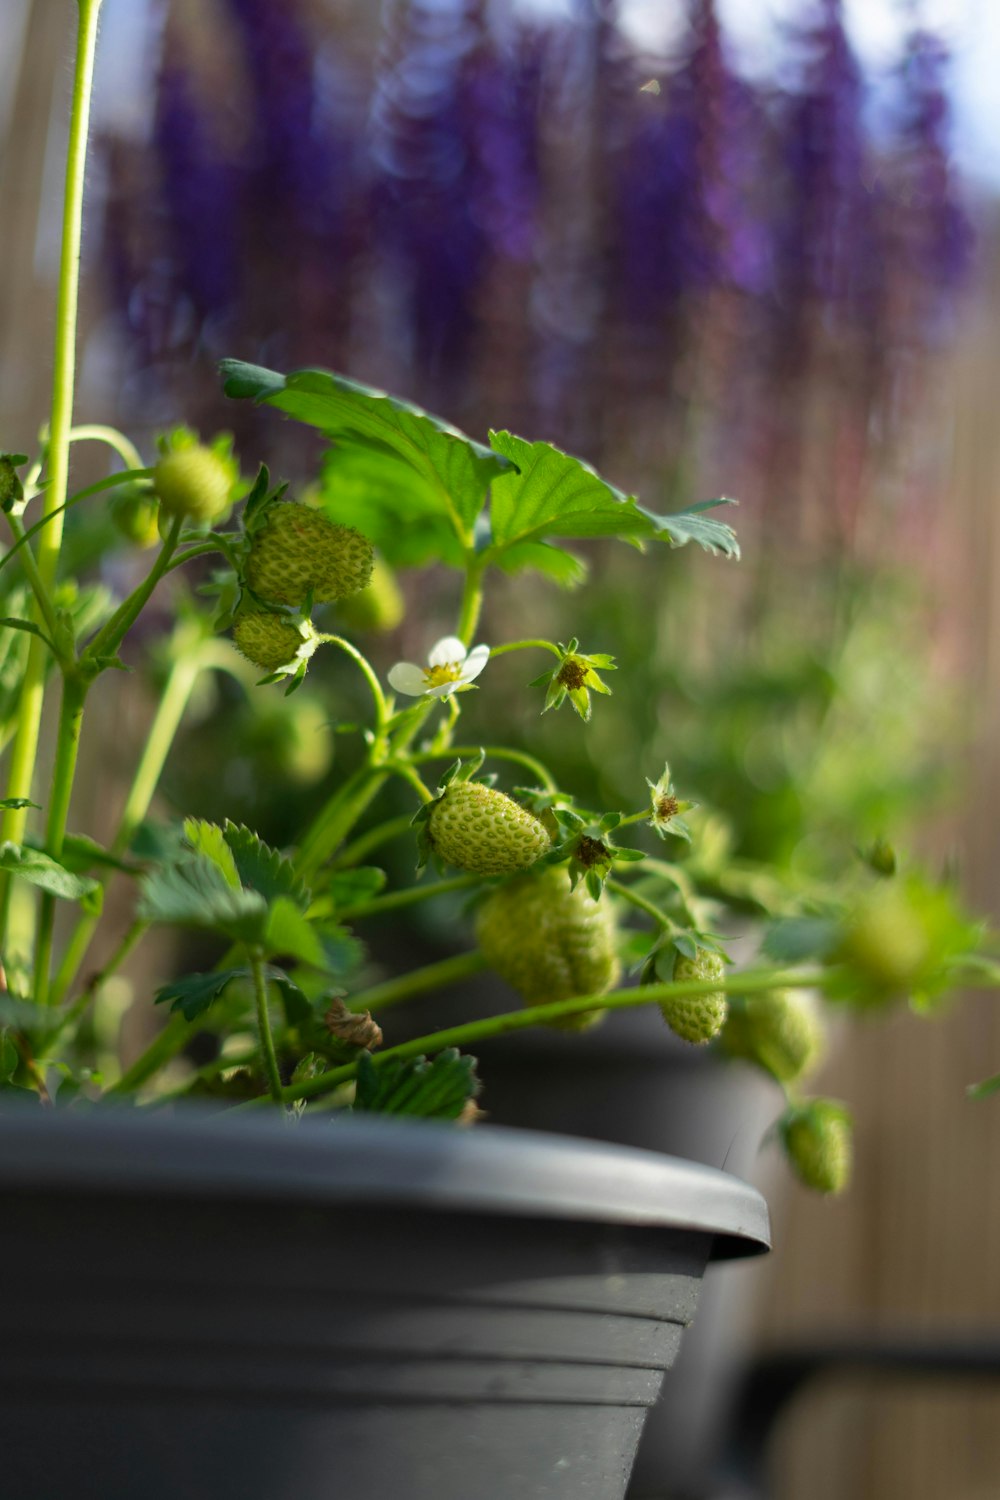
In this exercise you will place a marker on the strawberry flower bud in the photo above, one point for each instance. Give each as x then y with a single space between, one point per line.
574 678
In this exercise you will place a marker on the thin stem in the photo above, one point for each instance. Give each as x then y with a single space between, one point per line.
525 646
494 752
109 638
35 580
640 902
380 997
162 1049
95 983
407 772
409 897
753 981
110 483
166 722
98 433
381 709
472 601
373 838
337 818
264 1023
642 816
63 774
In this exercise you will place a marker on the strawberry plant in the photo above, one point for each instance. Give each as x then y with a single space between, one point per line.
580 909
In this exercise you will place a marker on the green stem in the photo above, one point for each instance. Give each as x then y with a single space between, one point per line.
109 638
373 838
381 709
380 997
407 772
63 773
410 897
264 1023
98 433
472 601
494 752
337 818
162 1049
640 902
110 483
525 646
166 722
753 981
45 606
78 1009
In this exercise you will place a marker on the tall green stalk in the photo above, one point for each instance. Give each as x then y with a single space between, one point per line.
25 747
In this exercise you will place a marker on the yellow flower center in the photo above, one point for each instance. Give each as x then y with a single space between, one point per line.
448 671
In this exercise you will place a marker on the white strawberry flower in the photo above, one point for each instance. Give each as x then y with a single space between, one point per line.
450 669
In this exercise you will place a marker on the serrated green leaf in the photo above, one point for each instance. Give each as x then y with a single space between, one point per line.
289 934
556 495
195 893
350 887
456 470
690 525
208 840
343 952
437 1089
48 874
15 804
261 868
194 993
563 567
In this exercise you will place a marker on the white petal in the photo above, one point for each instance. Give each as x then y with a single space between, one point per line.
443 690
475 662
449 649
405 677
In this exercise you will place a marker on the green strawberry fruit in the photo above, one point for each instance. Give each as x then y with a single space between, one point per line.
193 481
697 1018
300 551
550 941
780 1031
136 513
476 828
269 641
817 1138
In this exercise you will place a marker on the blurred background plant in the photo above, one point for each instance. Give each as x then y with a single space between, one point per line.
590 222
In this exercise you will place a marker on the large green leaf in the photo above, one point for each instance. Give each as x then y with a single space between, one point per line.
48 874
399 512
195 893
556 495
453 469
261 868
691 525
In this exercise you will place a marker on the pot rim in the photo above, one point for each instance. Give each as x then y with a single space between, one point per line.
379 1162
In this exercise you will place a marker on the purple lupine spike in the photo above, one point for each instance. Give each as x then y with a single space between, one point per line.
934 221
683 205
198 193
824 249
426 174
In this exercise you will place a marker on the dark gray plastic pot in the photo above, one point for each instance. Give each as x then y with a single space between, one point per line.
210 1308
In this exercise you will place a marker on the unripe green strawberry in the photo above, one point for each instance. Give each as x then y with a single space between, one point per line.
780 1031
269 641
886 942
194 482
550 941
379 607
135 513
299 550
817 1138
476 828
697 1018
